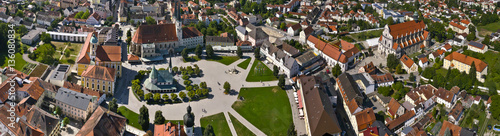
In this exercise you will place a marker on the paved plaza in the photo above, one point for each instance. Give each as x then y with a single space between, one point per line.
213 73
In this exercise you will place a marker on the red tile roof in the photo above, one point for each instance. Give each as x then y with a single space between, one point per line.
407 61
109 53
400 120
454 129
457 25
155 33
99 72
365 118
480 65
401 29
83 57
393 107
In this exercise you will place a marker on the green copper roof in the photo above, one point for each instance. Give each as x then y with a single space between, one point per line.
153 74
93 39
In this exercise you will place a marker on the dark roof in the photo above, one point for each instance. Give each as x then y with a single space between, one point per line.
349 86
320 113
74 99
258 34
476 44
190 32
290 49
382 129
41 119
228 39
103 123
306 57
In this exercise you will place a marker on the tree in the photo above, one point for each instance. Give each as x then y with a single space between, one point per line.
67 53
399 69
336 70
150 20
385 91
203 85
276 71
282 26
149 133
129 33
239 52
486 40
148 96
256 52
144 117
281 81
390 21
471 37
495 102
184 54
159 119
227 87
113 106
86 15
210 51
191 94
198 51
58 110
175 69
472 72
65 121
165 96
182 95
19 13
392 61
291 130
157 97
173 96
412 77
209 131
45 38
44 54
449 34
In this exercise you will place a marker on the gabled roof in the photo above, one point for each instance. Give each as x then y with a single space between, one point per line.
83 57
99 72
73 99
81 89
393 106
400 120
444 94
189 32
365 118
476 45
447 126
480 65
103 123
155 33
401 29
109 53
320 113
407 61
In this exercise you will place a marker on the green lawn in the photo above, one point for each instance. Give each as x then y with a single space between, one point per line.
267 108
74 50
132 117
488 29
226 60
414 55
19 61
241 130
367 35
218 122
245 63
260 72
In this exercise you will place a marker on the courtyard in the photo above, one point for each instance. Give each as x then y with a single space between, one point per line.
214 74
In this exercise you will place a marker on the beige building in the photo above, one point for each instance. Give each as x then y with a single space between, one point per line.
74 104
409 65
99 78
477 47
95 54
463 63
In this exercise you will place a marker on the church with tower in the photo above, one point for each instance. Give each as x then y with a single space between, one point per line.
99 64
154 42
